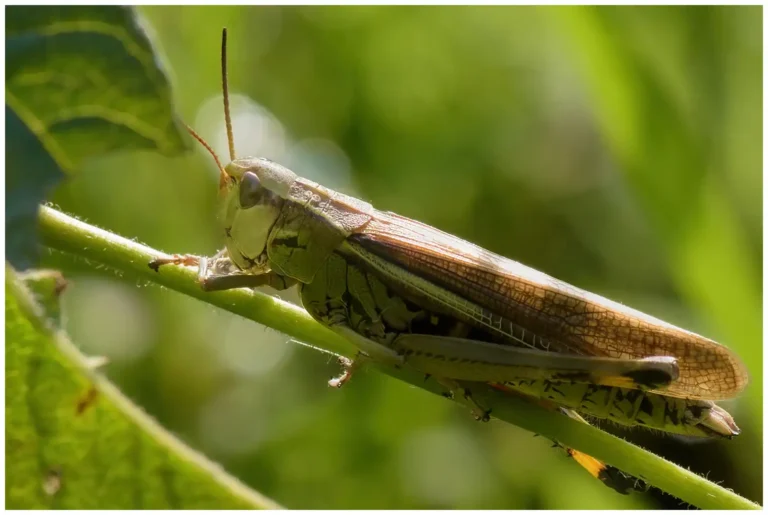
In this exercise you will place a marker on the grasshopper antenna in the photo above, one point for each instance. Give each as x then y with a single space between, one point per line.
225 90
223 176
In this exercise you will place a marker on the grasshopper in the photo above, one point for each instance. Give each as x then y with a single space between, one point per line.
407 294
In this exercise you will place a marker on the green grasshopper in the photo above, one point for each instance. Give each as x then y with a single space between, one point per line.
407 294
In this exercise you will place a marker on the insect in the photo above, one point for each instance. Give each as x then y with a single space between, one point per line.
407 294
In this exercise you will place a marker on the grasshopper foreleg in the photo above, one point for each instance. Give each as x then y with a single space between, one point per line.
216 282
175 259
219 273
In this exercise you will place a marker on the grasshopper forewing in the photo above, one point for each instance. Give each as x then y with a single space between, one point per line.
410 295
539 312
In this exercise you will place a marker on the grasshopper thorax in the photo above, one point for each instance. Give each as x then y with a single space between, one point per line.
252 197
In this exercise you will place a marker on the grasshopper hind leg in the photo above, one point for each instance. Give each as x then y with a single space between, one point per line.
609 475
455 388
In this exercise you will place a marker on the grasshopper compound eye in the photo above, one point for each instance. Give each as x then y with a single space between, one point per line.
251 191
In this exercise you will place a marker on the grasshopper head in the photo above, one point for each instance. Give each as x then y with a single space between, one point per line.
253 196
252 190
271 177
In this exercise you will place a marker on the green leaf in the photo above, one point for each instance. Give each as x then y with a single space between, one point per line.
81 81
73 441
30 174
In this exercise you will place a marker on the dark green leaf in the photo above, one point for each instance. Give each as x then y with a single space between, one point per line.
80 82
30 172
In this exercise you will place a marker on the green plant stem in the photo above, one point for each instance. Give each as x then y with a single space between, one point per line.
67 234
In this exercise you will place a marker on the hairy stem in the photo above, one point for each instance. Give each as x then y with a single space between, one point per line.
131 259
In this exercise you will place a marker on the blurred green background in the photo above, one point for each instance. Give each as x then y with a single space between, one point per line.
618 149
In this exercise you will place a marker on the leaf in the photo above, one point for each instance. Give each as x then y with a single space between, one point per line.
73 441
81 81
46 286
30 174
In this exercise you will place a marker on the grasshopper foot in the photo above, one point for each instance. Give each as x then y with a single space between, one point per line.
346 374
481 414
174 259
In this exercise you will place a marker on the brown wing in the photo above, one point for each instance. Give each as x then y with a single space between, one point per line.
579 321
